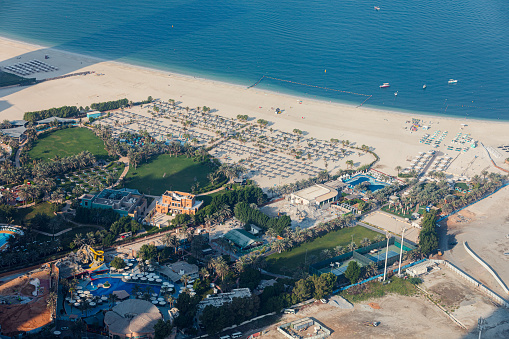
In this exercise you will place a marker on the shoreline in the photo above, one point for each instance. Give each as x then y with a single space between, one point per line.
93 59
386 131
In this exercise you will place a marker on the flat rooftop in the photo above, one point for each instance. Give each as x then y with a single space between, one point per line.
317 192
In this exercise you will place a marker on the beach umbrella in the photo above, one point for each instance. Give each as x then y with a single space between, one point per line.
162 303
76 304
92 303
160 299
155 302
103 298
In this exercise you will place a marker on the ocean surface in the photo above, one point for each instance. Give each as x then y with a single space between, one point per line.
339 46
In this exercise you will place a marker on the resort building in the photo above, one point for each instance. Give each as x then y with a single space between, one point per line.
315 195
126 202
56 120
218 300
242 239
176 202
176 271
94 114
133 318
17 133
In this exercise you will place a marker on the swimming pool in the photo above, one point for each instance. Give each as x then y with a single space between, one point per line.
117 285
6 233
374 185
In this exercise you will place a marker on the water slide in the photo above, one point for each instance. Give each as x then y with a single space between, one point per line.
98 259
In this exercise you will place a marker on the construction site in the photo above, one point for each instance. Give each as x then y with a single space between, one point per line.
444 305
23 301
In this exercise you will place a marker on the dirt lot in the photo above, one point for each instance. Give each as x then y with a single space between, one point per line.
18 317
413 317
484 226
466 303
400 317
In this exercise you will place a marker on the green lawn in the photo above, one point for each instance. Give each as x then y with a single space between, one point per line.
66 142
376 289
25 214
167 173
289 261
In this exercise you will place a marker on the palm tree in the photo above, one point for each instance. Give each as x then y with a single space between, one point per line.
185 278
112 298
204 273
349 163
398 168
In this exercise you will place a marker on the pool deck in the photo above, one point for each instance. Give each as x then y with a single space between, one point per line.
106 305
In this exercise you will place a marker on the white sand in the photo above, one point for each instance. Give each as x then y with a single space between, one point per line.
383 130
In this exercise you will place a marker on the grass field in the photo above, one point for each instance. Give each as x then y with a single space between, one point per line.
67 142
167 173
376 289
286 262
25 214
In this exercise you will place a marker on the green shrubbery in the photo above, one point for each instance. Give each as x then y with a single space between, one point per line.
109 105
60 112
249 215
428 238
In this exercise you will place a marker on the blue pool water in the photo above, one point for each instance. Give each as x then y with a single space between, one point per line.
3 238
117 285
374 184
341 45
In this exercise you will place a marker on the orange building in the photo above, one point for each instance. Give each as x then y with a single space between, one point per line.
178 203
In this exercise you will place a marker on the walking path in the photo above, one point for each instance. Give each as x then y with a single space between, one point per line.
125 160
211 192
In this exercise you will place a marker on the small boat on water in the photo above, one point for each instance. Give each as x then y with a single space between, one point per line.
395 93
377 8
452 81
424 86
385 85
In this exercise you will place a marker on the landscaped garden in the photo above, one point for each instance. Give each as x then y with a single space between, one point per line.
398 211
303 255
90 179
165 172
67 142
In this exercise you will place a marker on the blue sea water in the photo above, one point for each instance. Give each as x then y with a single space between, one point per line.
342 45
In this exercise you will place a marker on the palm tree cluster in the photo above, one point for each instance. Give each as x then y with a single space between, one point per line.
322 177
296 237
24 249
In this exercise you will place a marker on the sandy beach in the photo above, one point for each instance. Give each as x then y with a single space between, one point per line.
388 133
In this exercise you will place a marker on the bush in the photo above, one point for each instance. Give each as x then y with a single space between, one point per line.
117 263
60 112
109 105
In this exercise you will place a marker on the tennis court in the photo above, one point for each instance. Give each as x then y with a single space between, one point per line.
379 255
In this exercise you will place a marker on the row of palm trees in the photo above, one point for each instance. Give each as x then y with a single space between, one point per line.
322 177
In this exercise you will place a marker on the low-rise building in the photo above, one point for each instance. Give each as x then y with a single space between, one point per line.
315 195
242 239
126 202
175 271
176 202
218 300
133 318
17 133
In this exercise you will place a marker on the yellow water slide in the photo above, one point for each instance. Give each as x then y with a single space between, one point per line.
98 259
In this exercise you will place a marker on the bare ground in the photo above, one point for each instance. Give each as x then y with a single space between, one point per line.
410 317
